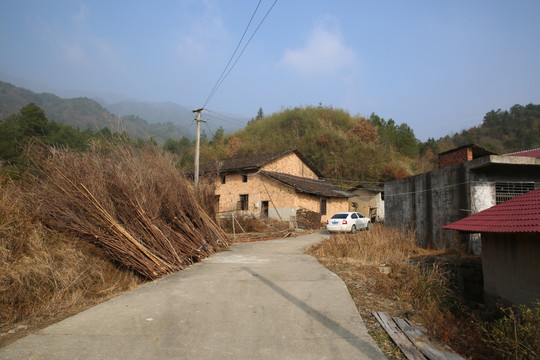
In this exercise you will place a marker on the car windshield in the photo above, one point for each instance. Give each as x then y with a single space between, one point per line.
340 216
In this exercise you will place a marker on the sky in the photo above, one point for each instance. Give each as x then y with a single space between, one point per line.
438 66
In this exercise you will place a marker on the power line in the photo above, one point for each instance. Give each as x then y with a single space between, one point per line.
226 72
225 118
216 85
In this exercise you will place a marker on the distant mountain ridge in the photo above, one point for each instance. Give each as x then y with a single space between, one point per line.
83 113
155 112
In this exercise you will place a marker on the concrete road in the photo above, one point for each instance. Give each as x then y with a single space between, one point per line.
262 300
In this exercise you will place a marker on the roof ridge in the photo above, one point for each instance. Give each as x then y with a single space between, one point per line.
522 151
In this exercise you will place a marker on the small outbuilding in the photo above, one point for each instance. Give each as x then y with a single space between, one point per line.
368 200
510 235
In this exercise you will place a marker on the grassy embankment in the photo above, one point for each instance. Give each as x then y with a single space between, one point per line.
423 295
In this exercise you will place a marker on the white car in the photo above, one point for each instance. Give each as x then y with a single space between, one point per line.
347 222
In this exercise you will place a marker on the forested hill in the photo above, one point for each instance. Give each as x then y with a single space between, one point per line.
345 148
349 149
503 131
81 113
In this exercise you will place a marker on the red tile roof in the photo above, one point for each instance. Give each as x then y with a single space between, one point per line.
520 214
528 153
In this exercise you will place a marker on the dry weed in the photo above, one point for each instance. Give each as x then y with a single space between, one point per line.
423 294
43 272
250 224
133 203
378 246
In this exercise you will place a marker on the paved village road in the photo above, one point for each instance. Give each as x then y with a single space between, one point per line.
261 300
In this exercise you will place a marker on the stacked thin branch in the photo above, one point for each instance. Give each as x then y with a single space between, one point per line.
307 219
133 203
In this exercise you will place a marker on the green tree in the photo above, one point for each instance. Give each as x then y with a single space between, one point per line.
260 114
218 135
32 121
177 146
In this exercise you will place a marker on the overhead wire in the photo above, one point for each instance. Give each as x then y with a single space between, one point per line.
227 70
216 85
225 118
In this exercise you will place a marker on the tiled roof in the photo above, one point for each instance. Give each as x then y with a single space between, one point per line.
309 186
374 189
250 163
520 214
527 153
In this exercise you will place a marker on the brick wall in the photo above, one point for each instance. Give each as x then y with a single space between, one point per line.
285 199
260 188
455 157
291 164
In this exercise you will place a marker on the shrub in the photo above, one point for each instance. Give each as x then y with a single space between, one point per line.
516 335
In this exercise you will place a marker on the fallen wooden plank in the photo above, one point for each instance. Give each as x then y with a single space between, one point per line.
406 346
421 341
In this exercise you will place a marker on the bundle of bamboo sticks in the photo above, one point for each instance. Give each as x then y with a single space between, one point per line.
134 203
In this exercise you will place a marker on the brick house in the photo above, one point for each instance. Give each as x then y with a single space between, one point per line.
510 233
274 185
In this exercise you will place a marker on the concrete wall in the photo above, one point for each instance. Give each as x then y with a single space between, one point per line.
428 201
510 267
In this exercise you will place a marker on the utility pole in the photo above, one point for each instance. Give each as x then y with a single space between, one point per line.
197 144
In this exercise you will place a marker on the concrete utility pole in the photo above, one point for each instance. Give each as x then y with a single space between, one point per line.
197 144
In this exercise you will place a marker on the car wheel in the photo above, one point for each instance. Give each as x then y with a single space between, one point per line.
353 229
368 226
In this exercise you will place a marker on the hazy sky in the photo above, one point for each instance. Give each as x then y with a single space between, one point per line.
438 66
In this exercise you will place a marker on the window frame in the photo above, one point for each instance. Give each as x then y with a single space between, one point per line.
323 206
244 202
506 190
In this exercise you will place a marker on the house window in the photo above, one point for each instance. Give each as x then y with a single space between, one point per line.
505 191
323 206
243 204
223 179
244 178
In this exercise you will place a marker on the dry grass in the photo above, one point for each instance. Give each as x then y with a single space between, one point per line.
84 227
133 203
422 294
251 224
378 246
44 273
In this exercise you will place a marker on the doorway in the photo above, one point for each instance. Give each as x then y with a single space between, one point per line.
264 209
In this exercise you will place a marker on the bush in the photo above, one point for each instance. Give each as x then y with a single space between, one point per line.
516 335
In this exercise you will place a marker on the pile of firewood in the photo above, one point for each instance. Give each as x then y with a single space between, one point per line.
307 219
134 203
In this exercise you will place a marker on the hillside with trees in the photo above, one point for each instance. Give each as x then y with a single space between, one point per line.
502 131
30 128
82 113
349 149
345 148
